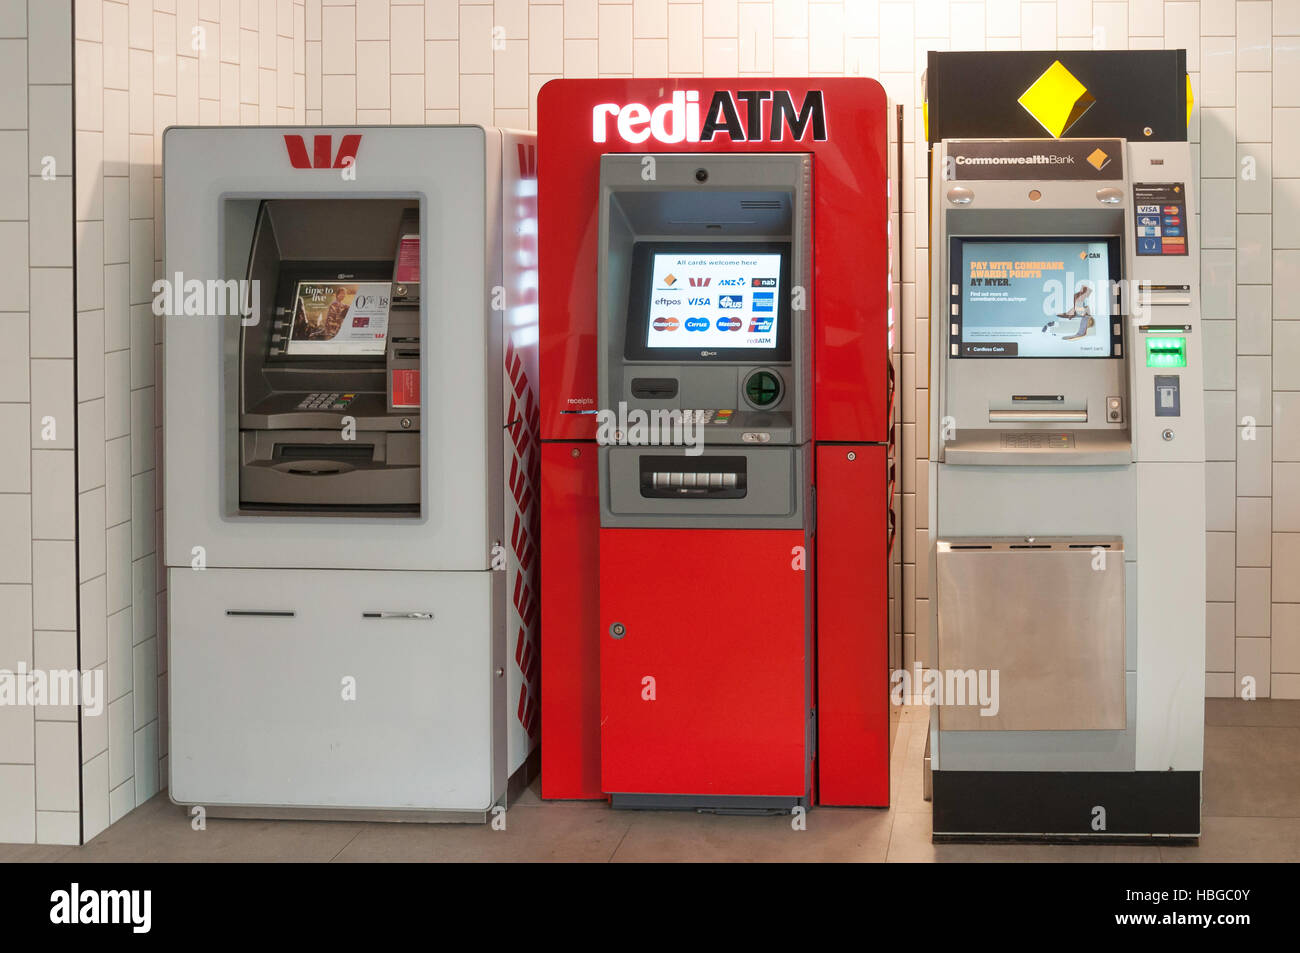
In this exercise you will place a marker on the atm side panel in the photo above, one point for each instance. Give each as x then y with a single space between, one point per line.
703 657
570 572
518 211
852 626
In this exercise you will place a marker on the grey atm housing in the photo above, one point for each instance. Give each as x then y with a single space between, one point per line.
1067 548
706 198
375 559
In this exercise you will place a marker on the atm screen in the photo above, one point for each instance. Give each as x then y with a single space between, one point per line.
702 301
1041 297
339 318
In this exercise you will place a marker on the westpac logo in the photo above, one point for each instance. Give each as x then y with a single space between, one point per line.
678 120
322 155
700 282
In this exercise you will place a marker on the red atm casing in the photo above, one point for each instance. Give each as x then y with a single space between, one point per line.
851 450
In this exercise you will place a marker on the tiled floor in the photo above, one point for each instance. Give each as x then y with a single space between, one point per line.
1251 812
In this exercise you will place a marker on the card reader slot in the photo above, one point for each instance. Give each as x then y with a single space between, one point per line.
1038 416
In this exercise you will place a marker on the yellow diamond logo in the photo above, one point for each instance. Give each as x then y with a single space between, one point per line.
1056 100
1098 159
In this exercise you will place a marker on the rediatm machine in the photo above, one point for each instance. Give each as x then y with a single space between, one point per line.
715 419
350 465
1067 545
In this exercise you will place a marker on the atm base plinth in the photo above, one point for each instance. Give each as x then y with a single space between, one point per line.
1067 806
706 804
516 785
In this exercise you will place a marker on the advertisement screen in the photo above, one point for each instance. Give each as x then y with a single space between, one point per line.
339 318
714 300
1041 298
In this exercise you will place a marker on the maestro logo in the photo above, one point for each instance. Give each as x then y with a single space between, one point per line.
732 323
322 155
769 114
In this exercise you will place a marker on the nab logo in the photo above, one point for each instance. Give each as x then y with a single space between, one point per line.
700 282
322 155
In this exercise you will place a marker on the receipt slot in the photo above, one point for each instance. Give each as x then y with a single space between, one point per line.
350 467
1067 486
715 333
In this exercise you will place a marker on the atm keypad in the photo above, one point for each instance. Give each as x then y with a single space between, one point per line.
326 401
717 417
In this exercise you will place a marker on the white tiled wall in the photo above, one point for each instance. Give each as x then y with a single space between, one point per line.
141 65
39 800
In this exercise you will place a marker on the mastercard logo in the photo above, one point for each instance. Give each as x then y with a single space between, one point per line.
666 324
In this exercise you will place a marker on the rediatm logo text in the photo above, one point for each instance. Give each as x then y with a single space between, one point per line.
678 120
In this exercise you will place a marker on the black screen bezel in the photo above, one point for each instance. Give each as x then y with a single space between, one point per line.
641 290
956 276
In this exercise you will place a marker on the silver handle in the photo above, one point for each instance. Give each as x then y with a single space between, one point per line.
1032 416
397 615
263 613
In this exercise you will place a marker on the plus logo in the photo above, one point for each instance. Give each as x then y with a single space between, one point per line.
768 115
322 155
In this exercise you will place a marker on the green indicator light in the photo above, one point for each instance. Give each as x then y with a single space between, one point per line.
1166 352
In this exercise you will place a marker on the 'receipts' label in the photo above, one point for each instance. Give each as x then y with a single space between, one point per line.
406 388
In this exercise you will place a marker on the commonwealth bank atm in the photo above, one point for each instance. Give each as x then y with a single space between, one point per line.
1067 547
716 442
350 463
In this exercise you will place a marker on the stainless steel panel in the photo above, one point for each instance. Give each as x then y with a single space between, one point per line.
1047 616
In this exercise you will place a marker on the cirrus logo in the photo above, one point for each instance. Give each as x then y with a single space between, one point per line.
697 324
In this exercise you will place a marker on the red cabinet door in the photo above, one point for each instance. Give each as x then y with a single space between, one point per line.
705 691
570 654
852 626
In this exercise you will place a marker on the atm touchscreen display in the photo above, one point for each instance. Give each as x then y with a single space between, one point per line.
339 318
701 301
1039 297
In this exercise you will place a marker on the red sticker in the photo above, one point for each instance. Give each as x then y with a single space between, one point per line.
408 260
406 387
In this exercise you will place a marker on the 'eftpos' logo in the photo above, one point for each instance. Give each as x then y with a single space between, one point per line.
322 155
678 120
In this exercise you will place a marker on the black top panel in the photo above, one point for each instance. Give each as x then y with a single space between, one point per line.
975 95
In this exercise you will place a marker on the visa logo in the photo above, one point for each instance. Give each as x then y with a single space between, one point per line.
698 302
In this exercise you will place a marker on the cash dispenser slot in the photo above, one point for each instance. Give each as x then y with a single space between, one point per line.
719 478
1038 416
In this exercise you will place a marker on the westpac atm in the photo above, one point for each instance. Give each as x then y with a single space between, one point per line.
1067 547
350 463
716 385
